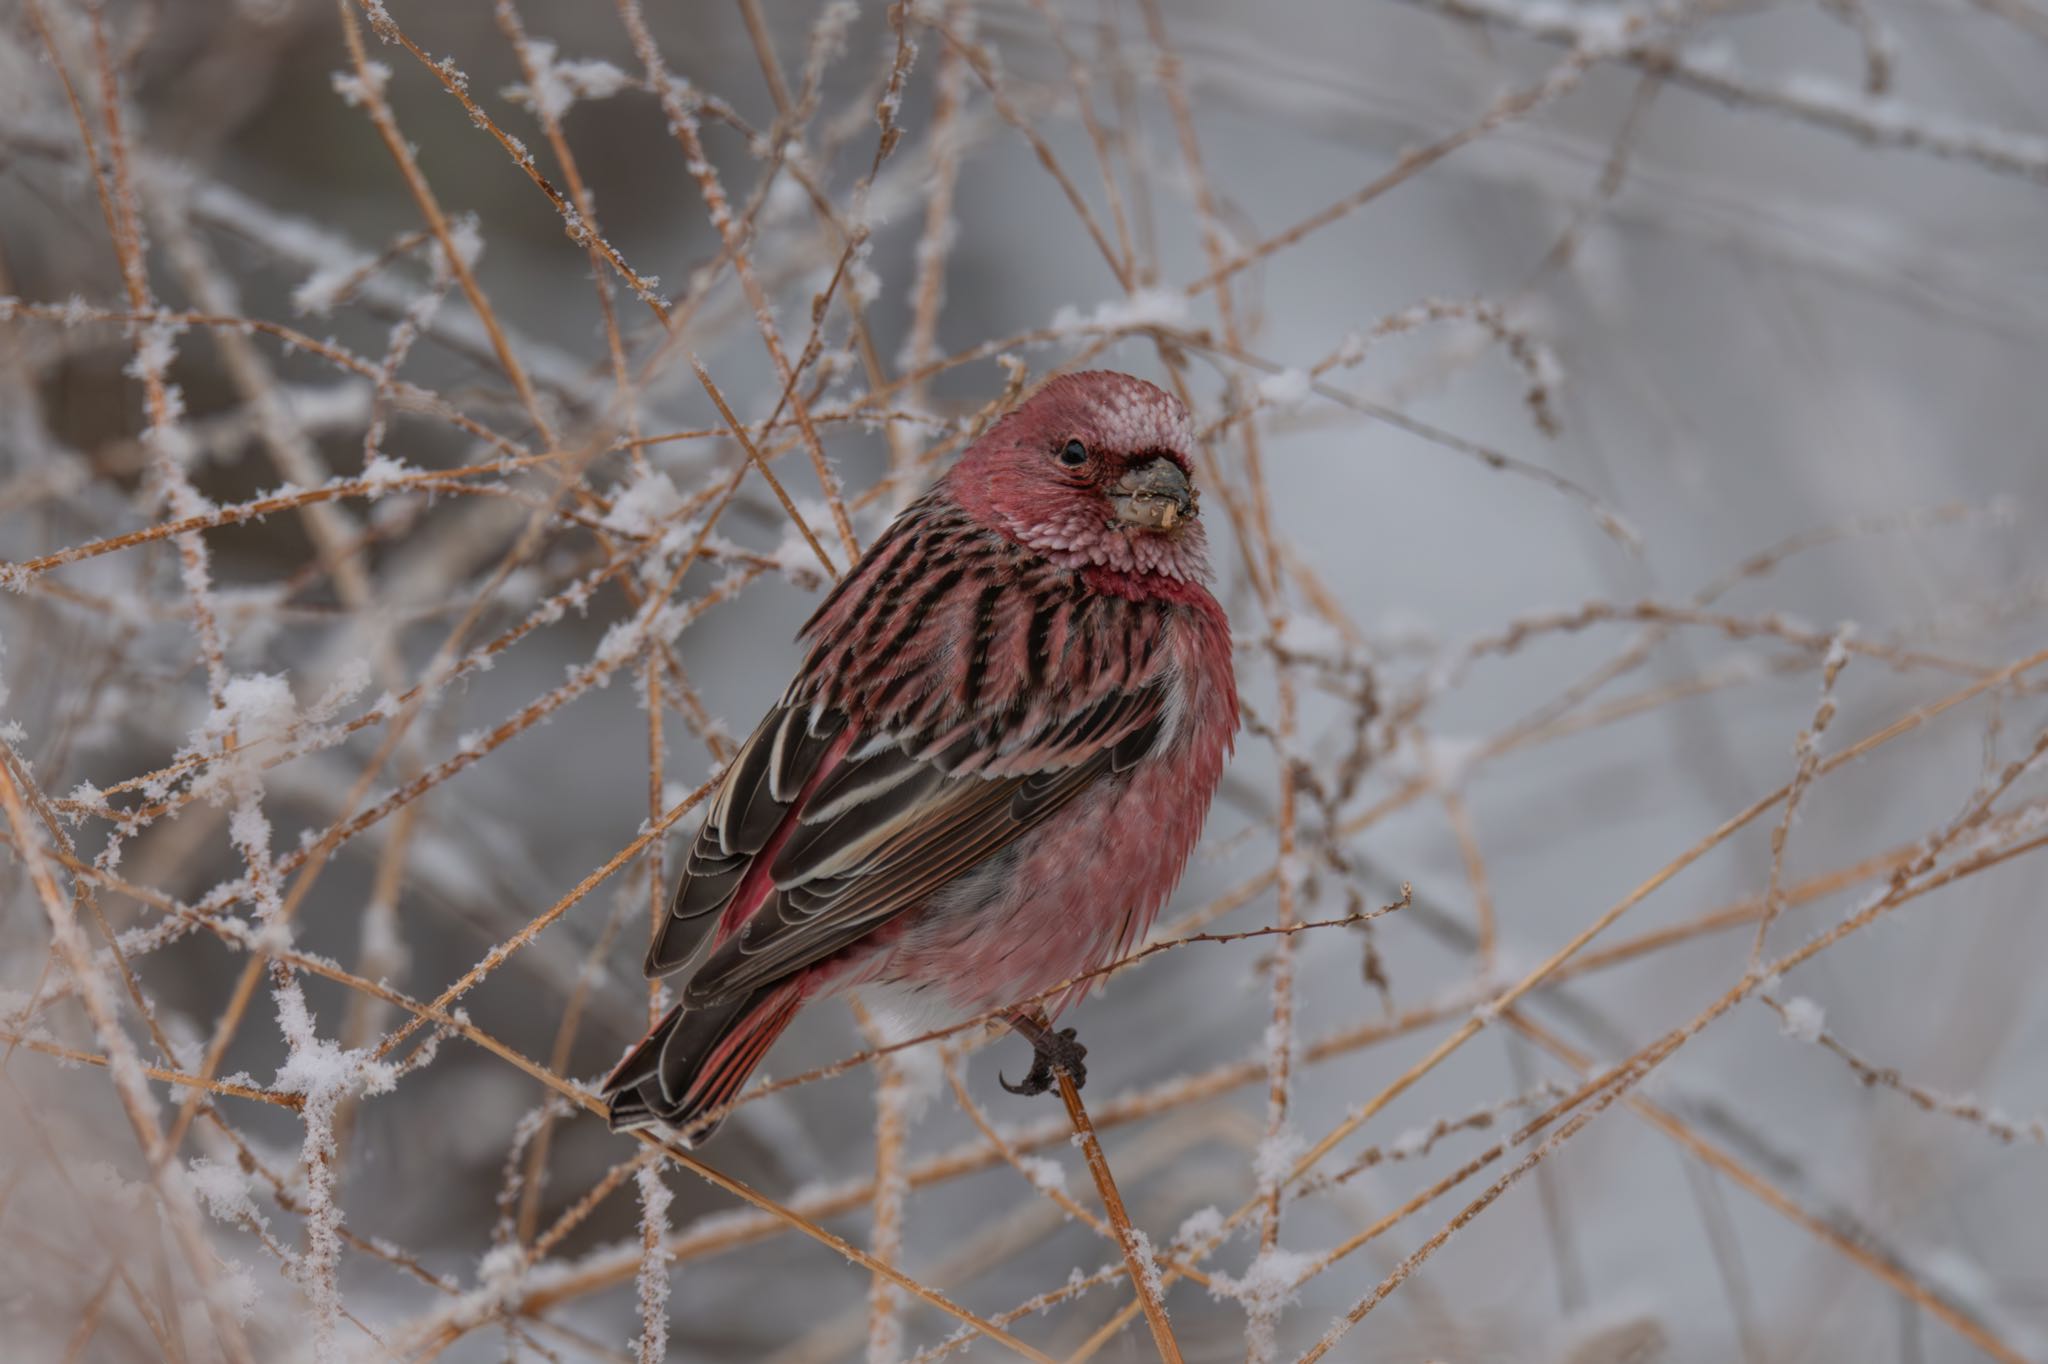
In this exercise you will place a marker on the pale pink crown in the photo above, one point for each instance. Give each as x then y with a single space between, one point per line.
1113 411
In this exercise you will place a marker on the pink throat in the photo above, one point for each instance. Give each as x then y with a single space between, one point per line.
1148 564
1113 582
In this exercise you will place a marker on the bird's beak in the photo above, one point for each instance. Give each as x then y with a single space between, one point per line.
1155 495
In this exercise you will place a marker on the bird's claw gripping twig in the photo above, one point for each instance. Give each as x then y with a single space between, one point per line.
1051 1052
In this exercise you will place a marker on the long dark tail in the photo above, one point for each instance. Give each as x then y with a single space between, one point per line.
695 1060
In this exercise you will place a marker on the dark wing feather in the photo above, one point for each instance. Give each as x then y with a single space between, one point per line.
751 805
838 881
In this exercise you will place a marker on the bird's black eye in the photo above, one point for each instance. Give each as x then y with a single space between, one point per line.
1073 454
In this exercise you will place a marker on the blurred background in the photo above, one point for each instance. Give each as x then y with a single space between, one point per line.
1618 422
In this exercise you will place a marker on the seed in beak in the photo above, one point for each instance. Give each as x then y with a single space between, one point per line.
1155 495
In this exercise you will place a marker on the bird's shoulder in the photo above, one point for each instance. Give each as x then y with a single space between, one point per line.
945 622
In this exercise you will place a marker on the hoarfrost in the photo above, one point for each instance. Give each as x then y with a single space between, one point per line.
1143 308
1804 1019
1287 389
652 1280
1048 1176
558 84
643 504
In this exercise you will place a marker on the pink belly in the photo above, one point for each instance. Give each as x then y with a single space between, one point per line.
1076 893
1079 892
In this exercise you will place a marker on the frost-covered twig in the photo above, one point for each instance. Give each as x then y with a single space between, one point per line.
1875 119
1136 1248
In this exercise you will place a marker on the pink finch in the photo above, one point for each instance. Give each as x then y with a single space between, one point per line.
989 772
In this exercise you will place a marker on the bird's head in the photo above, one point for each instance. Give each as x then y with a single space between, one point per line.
1091 471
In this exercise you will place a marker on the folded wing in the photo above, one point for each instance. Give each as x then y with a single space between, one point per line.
885 832
952 700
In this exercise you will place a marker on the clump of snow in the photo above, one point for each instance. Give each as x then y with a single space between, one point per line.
1148 1263
383 473
319 1068
102 1183
1276 1156
235 1288
867 285
1144 308
621 643
255 706
1048 1176
794 558
323 1073
649 499
321 290
351 677
466 236
1270 1282
501 1269
224 1189
1287 389
381 22
1200 1227
156 346
828 35
1272 1278
558 84
1804 1019
249 827
786 199
1838 647
367 88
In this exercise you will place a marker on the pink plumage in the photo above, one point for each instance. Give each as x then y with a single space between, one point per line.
989 772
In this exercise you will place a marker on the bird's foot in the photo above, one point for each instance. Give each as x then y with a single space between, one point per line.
1051 1053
